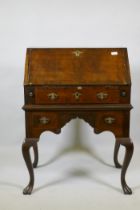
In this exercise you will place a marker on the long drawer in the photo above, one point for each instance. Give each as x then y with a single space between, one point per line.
42 95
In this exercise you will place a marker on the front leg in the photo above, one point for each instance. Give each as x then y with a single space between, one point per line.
116 151
35 149
26 154
126 142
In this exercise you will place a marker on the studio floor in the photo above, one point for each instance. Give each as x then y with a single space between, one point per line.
68 179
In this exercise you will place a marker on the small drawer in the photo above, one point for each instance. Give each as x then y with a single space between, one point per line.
115 121
81 95
44 119
41 121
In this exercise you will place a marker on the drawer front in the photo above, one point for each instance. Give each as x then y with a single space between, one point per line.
80 95
38 122
115 121
42 95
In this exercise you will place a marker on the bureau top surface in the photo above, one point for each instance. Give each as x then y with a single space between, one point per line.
77 66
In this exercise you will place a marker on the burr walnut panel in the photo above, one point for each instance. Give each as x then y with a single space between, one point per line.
77 66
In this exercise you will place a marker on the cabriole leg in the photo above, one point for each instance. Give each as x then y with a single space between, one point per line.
26 154
116 151
126 142
35 149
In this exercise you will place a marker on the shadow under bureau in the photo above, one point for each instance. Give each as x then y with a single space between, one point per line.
89 83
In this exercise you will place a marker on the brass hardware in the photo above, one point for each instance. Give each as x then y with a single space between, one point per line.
123 93
109 120
77 53
52 96
31 94
44 120
79 88
102 95
77 95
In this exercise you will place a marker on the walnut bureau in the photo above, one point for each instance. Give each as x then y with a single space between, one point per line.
89 83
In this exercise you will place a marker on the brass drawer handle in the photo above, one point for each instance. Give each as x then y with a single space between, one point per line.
52 96
102 95
77 95
44 120
109 120
77 53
